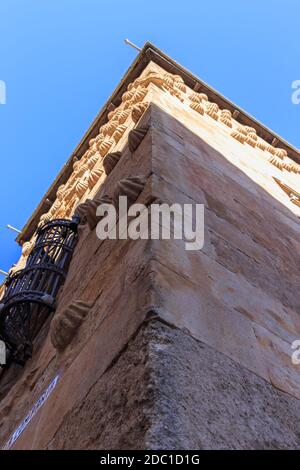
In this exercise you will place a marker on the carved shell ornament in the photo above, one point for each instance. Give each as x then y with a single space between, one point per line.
94 177
119 132
276 161
236 134
64 325
199 108
138 110
130 187
226 117
87 211
135 137
87 168
110 161
81 187
109 128
212 110
93 159
104 146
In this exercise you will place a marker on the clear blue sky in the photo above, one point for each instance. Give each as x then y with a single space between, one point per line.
61 59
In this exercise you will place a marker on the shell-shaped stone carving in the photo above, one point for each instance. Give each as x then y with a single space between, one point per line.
119 132
199 108
105 146
56 205
76 165
250 130
270 149
226 117
110 161
194 97
252 135
87 211
154 77
65 325
242 130
203 96
111 114
281 153
212 110
109 128
81 169
238 136
276 161
178 79
295 168
251 139
138 110
262 144
60 191
139 95
168 79
93 159
179 83
135 137
81 187
43 219
123 116
286 164
92 142
130 187
94 177
127 96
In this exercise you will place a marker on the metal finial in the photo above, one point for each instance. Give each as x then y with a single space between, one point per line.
10 227
129 43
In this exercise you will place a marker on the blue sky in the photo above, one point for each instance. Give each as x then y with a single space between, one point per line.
61 59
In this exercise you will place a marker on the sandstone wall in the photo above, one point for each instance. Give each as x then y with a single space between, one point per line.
180 349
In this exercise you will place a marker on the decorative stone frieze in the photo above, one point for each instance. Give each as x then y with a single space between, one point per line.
131 109
88 169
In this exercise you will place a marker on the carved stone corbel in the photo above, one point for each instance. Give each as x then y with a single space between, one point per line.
110 161
87 211
138 110
65 325
135 137
130 187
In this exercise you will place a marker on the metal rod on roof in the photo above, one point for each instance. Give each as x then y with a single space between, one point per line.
13 228
129 43
4 273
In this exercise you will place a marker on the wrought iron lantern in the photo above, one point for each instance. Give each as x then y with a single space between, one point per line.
30 293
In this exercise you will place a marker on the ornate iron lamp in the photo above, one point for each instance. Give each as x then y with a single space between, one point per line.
30 293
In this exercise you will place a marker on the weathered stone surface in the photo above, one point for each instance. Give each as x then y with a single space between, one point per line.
168 391
234 304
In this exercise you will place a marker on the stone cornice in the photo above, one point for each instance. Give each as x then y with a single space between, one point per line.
219 104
